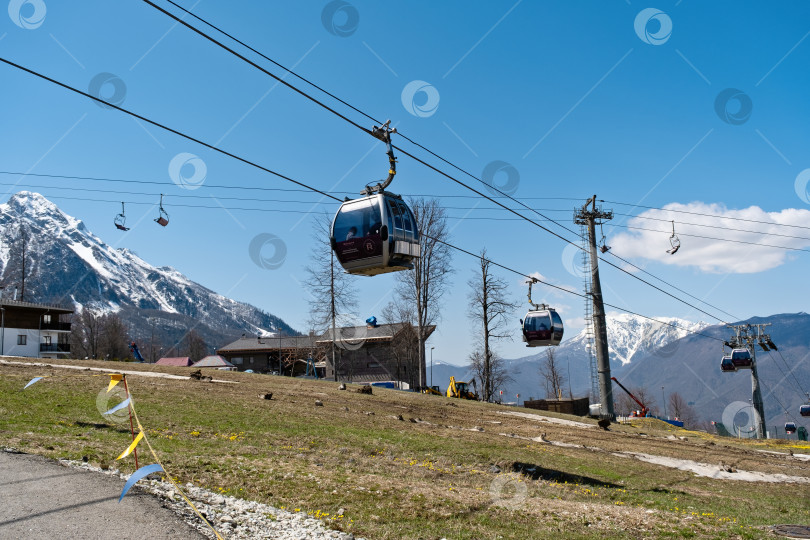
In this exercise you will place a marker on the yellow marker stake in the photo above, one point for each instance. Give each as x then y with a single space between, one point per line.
131 446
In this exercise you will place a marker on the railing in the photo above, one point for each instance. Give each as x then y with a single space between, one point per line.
65 326
54 347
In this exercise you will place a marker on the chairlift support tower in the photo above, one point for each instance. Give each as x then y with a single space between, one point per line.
591 217
748 336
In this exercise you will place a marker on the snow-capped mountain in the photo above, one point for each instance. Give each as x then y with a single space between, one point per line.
67 264
631 336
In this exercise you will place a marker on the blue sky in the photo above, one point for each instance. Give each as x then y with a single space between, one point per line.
576 97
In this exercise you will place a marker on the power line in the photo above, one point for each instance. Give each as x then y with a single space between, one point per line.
355 124
403 151
164 127
705 215
715 238
789 371
713 226
325 194
673 286
256 165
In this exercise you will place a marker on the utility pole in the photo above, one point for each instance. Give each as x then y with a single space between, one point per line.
746 336
590 218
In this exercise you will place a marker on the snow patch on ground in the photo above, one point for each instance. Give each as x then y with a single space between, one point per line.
103 370
538 418
714 471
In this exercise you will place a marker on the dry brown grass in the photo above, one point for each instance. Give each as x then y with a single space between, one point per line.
427 478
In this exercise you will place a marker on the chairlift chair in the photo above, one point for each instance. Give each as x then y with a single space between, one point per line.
121 220
674 241
163 218
603 247
542 326
804 409
741 358
376 233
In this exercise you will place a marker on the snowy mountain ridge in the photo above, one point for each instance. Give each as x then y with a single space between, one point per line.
630 335
68 264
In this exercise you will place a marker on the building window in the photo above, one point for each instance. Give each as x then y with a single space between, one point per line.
373 364
251 359
47 340
46 319
22 340
236 360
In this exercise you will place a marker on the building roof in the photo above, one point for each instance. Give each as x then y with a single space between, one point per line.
348 334
183 361
357 334
212 361
4 302
253 344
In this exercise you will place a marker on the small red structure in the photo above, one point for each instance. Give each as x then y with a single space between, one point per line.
182 361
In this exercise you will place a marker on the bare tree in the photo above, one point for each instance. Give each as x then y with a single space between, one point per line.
627 404
332 292
551 372
490 309
681 410
424 286
497 372
113 337
194 345
85 333
404 344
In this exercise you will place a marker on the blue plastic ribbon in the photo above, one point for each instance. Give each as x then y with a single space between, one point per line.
137 475
32 381
118 407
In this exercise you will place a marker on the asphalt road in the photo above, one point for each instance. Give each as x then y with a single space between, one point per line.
41 499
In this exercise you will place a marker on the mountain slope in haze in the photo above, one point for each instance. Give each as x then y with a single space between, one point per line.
694 372
689 365
66 264
630 337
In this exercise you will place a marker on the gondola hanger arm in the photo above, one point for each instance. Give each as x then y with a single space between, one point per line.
384 133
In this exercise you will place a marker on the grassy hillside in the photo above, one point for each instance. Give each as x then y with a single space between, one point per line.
409 466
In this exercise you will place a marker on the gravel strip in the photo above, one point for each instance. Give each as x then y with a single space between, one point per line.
232 517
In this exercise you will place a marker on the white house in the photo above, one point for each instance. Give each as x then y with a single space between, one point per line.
33 330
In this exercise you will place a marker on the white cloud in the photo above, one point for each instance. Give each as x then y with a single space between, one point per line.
715 254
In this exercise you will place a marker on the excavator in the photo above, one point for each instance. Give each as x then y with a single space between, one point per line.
644 411
460 390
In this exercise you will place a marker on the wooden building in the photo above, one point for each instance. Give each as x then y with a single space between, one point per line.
577 406
386 352
277 355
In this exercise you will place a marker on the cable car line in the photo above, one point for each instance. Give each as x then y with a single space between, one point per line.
790 372
715 226
260 188
162 126
369 132
569 291
221 31
211 39
715 238
673 286
705 215
325 194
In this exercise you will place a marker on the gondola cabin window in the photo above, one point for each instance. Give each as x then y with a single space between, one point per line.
356 220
